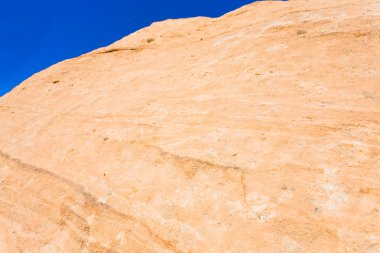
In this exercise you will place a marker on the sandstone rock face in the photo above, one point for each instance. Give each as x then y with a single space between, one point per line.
254 132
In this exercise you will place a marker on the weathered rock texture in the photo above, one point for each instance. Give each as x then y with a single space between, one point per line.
254 132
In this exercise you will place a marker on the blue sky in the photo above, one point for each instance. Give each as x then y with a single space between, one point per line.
35 34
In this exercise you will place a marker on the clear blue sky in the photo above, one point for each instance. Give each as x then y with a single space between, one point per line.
35 34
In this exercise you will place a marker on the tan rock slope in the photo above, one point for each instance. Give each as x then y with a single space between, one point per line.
258 131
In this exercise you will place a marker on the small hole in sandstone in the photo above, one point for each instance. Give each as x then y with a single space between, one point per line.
104 174
284 188
56 81
234 155
105 138
150 40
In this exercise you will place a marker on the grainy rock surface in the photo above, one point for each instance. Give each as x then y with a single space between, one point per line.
254 132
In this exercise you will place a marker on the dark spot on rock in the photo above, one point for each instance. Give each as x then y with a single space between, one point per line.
105 138
364 190
56 81
150 40
300 32
284 188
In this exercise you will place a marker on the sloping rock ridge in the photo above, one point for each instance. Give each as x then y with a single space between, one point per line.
258 131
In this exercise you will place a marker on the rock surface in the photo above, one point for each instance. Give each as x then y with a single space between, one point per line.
254 132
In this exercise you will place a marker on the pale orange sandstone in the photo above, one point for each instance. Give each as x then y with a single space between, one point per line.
254 132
